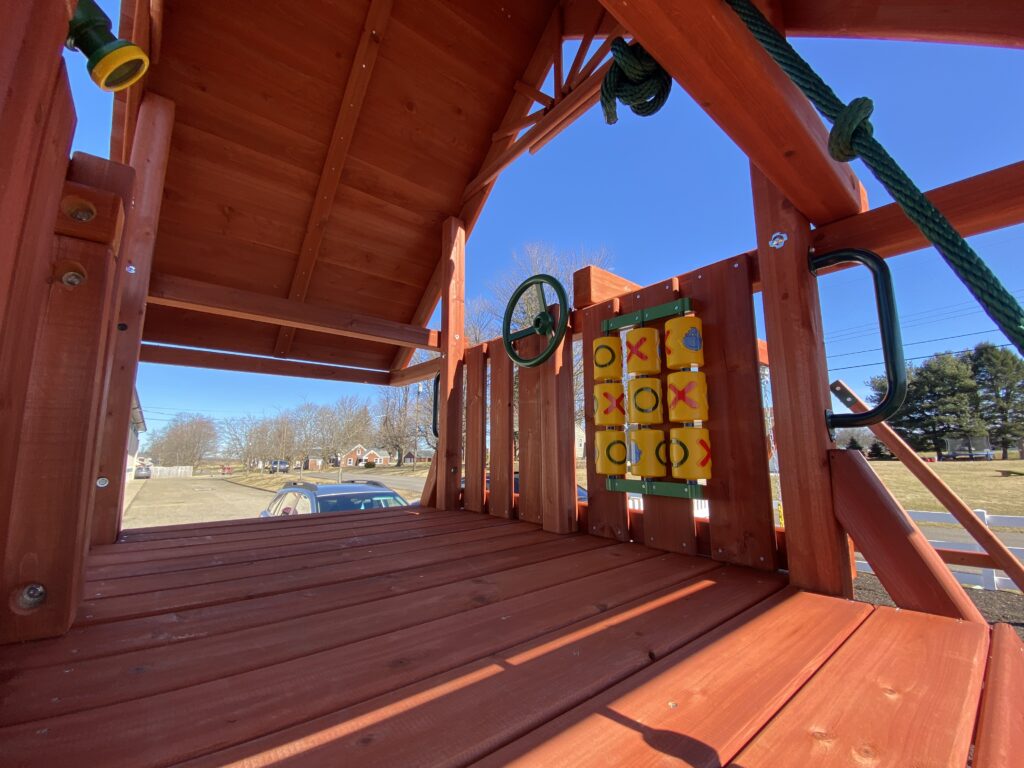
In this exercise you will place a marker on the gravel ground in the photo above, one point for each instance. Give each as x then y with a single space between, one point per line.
997 606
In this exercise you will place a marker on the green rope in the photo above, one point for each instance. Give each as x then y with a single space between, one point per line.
851 137
635 79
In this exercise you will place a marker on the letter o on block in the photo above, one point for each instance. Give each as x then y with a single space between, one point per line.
607 358
645 401
647 452
690 453
610 452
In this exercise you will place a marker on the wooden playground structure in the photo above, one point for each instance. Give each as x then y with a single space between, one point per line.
290 191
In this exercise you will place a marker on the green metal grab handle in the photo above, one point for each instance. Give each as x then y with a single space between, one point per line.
543 323
892 342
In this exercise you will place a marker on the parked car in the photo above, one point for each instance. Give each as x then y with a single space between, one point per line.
143 473
279 465
310 499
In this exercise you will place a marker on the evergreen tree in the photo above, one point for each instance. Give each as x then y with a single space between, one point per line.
854 445
999 374
878 451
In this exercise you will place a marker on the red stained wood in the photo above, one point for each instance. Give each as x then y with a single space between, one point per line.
593 285
149 159
424 371
453 345
909 568
500 466
708 51
50 511
901 691
429 496
476 424
1000 737
108 214
749 667
819 553
558 430
606 511
531 436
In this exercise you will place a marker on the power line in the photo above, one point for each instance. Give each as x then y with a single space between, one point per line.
908 359
916 343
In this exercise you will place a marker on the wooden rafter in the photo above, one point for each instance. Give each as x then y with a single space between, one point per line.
415 373
707 50
182 293
201 358
583 50
334 162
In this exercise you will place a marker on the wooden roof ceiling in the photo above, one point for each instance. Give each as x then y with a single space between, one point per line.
318 145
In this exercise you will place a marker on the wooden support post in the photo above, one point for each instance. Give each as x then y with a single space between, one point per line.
909 568
558 417
453 345
499 498
531 435
819 553
149 159
49 529
1000 736
429 496
476 420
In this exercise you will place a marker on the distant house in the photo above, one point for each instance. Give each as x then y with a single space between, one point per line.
358 455
418 457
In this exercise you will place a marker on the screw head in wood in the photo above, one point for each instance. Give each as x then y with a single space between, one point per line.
72 279
31 596
778 240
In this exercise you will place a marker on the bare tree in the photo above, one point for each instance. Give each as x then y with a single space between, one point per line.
185 441
397 422
240 441
341 425
305 421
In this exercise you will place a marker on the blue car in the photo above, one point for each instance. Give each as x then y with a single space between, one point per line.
310 499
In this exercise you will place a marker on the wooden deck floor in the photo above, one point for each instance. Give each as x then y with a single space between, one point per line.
446 638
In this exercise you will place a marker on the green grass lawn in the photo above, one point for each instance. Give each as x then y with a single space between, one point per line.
995 486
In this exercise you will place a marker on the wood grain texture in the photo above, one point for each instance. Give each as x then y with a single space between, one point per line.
908 686
558 417
500 466
1000 737
476 425
903 559
593 285
453 345
710 53
107 214
819 553
424 371
531 437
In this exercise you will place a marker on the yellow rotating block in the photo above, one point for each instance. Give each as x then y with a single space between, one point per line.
645 401
690 453
609 404
647 452
687 396
642 352
610 452
684 342
607 358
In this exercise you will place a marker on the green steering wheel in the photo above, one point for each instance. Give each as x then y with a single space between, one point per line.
543 324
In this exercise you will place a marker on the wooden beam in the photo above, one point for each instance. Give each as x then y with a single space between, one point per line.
818 549
965 557
999 740
709 51
593 285
48 535
149 156
90 213
500 496
945 495
902 558
979 204
377 17
200 358
476 425
558 420
453 345
996 22
415 373
424 311
195 295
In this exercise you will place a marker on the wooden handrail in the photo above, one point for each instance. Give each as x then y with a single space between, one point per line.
1003 557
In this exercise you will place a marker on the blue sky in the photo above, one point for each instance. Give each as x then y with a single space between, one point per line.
669 193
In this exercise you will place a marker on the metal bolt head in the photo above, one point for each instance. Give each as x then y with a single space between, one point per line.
72 279
102 482
778 240
130 269
31 596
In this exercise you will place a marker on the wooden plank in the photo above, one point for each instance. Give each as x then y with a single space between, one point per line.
356 86
29 694
105 209
423 312
909 686
819 553
195 295
703 702
742 519
992 23
711 54
961 557
1000 735
531 434
48 534
453 345
975 205
149 159
593 285
668 522
304 688
429 496
606 511
476 425
909 568
415 373
500 466
992 544
465 556
543 677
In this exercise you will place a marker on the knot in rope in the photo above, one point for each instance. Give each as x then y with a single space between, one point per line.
635 79
850 119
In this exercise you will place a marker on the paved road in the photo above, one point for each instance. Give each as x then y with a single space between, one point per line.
172 501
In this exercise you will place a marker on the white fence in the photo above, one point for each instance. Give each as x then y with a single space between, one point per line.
171 471
986 578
